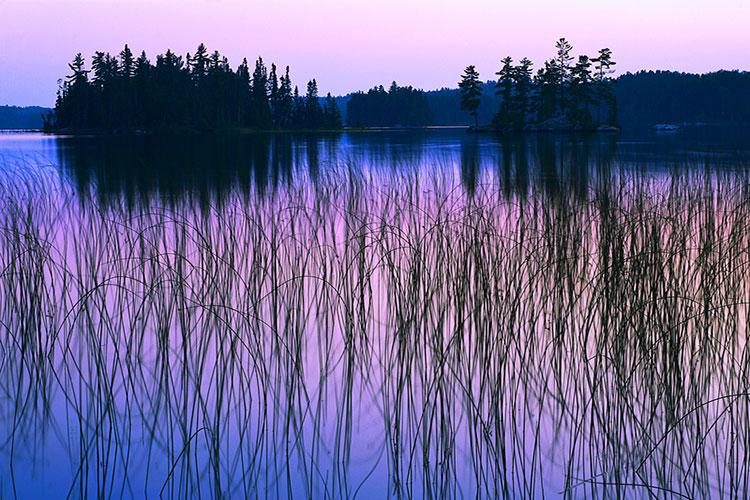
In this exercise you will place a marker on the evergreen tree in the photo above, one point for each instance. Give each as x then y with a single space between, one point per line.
313 111
563 66
523 84
603 64
198 63
579 114
172 86
79 77
213 94
124 93
564 59
127 63
261 108
504 88
103 70
331 114
285 101
143 93
471 92
546 96
142 65
298 109
243 94
605 97
275 97
75 95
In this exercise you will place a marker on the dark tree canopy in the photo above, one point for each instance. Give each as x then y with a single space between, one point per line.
651 97
565 93
196 92
200 91
398 106
471 92
642 99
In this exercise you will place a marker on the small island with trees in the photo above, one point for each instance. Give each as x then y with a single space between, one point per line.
201 92
564 95
195 93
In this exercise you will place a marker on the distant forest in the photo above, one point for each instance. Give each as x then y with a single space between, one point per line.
643 99
565 93
404 106
650 97
199 91
17 117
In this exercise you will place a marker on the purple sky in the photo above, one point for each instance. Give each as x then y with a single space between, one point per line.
352 44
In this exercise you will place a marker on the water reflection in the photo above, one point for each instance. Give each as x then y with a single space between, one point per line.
427 315
205 167
210 167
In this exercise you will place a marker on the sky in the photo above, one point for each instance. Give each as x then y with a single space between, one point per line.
350 45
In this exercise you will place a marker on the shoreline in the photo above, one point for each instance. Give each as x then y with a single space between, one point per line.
482 129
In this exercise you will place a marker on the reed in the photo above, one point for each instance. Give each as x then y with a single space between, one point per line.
365 333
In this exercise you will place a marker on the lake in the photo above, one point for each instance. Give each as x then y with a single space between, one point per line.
415 314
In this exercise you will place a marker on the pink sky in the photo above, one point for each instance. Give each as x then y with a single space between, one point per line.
351 45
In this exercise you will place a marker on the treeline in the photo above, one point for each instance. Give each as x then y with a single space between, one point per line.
445 106
398 106
199 91
650 97
565 93
16 117
643 99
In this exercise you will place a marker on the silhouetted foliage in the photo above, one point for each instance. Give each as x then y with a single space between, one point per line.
562 94
200 91
445 106
471 92
505 82
651 97
639 99
398 106
331 114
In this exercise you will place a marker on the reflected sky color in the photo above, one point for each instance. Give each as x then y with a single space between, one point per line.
349 46
441 298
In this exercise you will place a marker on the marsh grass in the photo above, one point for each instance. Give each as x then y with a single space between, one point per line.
360 333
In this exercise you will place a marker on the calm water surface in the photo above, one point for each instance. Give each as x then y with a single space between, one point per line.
393 314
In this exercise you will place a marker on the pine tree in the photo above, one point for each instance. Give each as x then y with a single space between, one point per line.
313 111
298 109
143 93
275 97
286 100
127 63
331 113
79 75
471 92
579 114
504 88
242 94
523 83
604 93
563 65
261 108
546 97
199 63
76 93
100 69
563 59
